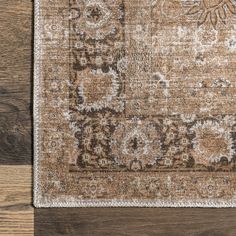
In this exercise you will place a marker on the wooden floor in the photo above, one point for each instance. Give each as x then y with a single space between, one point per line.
17 216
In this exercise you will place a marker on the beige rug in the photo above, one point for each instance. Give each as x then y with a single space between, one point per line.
134 103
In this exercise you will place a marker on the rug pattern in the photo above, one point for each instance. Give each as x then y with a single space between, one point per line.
137 101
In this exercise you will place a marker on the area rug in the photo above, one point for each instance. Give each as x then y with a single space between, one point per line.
134 103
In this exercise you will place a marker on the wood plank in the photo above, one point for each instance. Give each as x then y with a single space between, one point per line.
16 223
15 82
134 221
16 211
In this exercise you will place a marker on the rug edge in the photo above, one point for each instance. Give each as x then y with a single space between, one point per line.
135 203
36 78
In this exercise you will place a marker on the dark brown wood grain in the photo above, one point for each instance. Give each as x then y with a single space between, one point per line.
15 82
16 211
135 222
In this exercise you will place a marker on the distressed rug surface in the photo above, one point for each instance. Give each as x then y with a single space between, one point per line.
134 103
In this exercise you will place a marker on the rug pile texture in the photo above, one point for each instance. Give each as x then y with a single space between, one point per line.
134 103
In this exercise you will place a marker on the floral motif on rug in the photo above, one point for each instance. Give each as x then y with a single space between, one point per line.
134 103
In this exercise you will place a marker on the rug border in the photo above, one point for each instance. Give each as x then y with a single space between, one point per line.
42 203
36 78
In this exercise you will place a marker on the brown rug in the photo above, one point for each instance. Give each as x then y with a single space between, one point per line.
134 103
